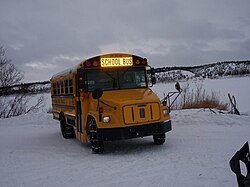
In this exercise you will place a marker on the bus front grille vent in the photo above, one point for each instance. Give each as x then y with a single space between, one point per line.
141 113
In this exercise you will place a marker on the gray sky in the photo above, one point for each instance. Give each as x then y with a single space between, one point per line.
43 37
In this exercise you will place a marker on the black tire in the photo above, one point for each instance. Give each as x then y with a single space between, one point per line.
159 139
96 144
67 130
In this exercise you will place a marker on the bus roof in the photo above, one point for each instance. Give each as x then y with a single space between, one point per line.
65 72
106 61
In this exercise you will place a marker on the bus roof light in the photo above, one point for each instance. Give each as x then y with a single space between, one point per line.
144 61
137 62
95 63
88 64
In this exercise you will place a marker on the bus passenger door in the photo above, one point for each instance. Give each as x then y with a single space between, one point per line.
79 109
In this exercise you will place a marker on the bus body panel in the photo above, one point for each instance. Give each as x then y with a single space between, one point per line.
123 105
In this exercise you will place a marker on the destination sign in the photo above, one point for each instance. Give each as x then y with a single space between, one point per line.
116 62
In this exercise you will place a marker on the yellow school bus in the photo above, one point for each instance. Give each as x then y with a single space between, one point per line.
108 97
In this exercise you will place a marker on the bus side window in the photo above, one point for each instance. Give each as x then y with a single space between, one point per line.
57 88
54 88
66 84
70 86
62 88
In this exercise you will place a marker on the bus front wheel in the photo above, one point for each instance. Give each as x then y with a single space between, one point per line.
159 139
96 144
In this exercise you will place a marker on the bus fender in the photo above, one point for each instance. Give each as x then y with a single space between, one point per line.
91 115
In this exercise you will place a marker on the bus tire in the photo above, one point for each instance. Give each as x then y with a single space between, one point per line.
96 144
159 139
67 130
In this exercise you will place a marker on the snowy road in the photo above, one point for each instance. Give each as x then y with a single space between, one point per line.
197 152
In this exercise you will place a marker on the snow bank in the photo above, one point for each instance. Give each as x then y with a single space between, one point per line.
197 152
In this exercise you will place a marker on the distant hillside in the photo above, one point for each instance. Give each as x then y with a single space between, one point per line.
164 74
212 71
29 88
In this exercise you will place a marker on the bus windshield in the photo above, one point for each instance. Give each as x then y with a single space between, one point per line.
114 78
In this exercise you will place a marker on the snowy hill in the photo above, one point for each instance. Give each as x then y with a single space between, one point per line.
196 153
30 88
212 71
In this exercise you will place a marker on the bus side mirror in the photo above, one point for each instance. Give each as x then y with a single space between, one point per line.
153 80
97 93
178 87
152 71
152 74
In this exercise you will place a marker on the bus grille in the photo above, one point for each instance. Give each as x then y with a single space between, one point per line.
141 113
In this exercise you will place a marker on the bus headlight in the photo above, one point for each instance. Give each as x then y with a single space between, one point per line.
165 112
106 119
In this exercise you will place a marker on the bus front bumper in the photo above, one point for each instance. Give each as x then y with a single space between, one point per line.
134 131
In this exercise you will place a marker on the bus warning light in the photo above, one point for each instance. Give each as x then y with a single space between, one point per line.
95 63
88 63
137 62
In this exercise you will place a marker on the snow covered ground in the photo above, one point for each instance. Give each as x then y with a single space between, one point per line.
197 152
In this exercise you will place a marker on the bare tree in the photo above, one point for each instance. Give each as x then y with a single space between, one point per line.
17 104
11 106
9 74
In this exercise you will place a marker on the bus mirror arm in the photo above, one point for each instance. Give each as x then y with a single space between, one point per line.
170 94
97 94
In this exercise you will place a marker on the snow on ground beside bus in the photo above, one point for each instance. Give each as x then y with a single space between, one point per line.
197 152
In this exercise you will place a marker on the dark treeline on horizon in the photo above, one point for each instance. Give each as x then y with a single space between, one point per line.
163 74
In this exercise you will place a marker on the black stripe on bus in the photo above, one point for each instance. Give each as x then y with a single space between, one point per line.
63 96
63 106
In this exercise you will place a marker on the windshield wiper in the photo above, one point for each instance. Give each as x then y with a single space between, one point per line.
113 78
114 107
119 75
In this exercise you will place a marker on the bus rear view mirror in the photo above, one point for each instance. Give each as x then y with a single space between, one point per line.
152 71
97 93
153 80
178 87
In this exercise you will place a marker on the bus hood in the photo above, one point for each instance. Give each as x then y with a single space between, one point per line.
131 96
137 105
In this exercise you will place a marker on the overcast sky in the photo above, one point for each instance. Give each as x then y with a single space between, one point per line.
43 37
